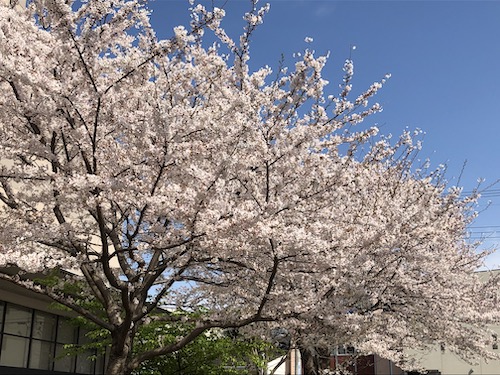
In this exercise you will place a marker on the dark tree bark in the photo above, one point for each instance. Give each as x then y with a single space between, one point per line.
310 360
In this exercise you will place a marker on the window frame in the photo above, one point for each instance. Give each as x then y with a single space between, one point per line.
55 342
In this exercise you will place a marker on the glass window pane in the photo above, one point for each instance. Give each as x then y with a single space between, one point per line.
41 355
82 338
66 333
84 365
63 362
44 326
99 365
2 307
14 351
18 320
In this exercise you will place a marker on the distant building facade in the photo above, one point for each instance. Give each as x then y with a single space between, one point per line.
446 362
342 358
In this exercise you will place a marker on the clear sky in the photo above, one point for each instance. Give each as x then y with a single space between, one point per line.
444 57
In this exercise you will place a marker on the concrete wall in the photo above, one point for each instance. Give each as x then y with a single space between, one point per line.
449 363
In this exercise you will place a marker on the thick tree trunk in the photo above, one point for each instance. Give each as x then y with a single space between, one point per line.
119 356
310 361
117 365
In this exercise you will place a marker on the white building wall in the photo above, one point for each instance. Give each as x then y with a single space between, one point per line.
449 363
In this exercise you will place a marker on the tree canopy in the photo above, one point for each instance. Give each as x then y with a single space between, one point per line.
167 172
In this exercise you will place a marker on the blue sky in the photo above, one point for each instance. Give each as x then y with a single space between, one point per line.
444 57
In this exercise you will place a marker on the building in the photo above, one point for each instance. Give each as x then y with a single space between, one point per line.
445 362
436 361
340 358
33 335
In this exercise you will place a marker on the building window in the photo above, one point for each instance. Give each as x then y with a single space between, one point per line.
345 350
35 339
16 332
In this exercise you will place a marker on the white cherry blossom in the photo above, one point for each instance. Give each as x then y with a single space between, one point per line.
164 173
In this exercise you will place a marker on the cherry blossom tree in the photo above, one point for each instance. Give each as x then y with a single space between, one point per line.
168 173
